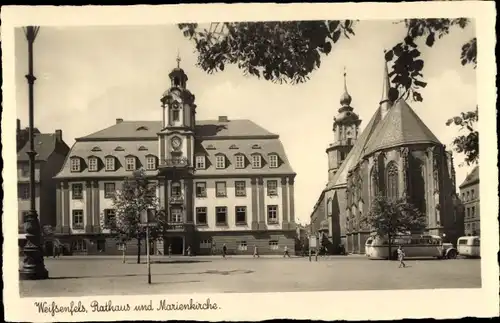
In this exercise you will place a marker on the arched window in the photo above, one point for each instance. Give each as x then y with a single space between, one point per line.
392 181
373 182
329 207
176 189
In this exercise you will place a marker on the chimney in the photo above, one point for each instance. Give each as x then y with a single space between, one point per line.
18 125
58 134
223 119
119 120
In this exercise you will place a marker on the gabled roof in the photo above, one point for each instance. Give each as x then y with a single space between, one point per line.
472 177
400 126
204 128
356 152
45 144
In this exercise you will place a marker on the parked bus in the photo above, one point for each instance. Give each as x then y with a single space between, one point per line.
469 246
414 246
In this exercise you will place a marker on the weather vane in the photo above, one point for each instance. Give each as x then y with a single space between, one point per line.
178 59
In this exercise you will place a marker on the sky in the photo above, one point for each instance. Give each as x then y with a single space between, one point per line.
89 76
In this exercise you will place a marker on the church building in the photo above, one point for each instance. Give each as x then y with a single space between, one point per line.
220 181
396 155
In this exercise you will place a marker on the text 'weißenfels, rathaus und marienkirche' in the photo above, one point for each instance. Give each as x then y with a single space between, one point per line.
221 181
397 155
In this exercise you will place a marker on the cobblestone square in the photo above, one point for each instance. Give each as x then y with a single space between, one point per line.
80 276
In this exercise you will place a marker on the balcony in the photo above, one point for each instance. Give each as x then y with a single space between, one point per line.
176 199
175 162
176 226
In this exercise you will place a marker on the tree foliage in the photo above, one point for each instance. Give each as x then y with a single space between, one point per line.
137 194
468 143
289 51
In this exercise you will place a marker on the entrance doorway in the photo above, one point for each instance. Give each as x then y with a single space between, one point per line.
177 244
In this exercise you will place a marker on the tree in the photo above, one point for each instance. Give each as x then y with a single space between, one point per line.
467 144
137 194
288 51
389 218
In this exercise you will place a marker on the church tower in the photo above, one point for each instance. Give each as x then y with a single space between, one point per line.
345 132
176 139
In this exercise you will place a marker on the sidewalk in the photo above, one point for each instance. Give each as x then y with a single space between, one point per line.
207 257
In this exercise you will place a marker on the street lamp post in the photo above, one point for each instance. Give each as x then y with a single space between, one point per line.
33 264
146 221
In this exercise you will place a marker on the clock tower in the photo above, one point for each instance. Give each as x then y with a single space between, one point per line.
345 132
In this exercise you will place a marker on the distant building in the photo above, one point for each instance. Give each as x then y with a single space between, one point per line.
395 155
469 192
221 181
51 152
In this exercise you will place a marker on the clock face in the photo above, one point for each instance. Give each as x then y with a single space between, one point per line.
176 142
175 105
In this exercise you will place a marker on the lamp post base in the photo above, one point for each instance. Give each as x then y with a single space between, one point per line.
33 265
35 274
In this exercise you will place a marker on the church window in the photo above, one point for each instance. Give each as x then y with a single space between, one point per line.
374 184
392 181
329 207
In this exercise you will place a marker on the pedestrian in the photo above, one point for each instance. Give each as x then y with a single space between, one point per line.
255 252
188 250
169 251
401 257
285 253
224 251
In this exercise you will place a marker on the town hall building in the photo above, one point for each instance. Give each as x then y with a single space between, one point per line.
396 155
220 181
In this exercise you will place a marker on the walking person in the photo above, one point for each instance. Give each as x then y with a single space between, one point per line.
285 252
255 252
401 257
169 251
188 250
224 251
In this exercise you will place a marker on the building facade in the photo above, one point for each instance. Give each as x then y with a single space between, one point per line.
395 155
220 181
469 192
51 152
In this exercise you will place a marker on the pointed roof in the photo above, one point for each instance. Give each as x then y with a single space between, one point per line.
385 86
356 152
471 178
400 126
345 98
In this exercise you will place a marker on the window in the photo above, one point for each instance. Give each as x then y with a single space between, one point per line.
130 163
273 161
92 164
241 214
176 215
110 164
101 245
468 213
109 190
79 245
77 190
221 215
77 219
75 164
220 162
272 214
472 194
374 183
175 190
329 207
205 244
273 245
473 211
392 181
272 188
201 189
468 196
200 162
109 216
24 191
25 170
201 215
242 246
256 161
220 189
240 161
150 163
473 227
240 188
175 115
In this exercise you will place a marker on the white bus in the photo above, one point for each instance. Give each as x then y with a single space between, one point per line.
414 246
469 246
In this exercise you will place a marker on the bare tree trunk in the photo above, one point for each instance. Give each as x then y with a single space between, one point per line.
123 254
390 245
138 250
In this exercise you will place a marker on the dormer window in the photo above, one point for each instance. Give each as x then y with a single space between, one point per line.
256 146
93 164
141 128
150 162
273 161
210 147
220 161
256 161
109 164
142 148
96 149
119 148
200 162
75 164
130 163
233 147
240 161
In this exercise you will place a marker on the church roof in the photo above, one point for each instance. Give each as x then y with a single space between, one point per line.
472 178
400 126
356 152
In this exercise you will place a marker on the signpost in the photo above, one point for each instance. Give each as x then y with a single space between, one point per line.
147 220
313 244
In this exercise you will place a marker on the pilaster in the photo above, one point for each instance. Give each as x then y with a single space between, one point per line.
403 172
59 206
88 207
96 206
66 215
262 204
291 192
255 210
284 202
